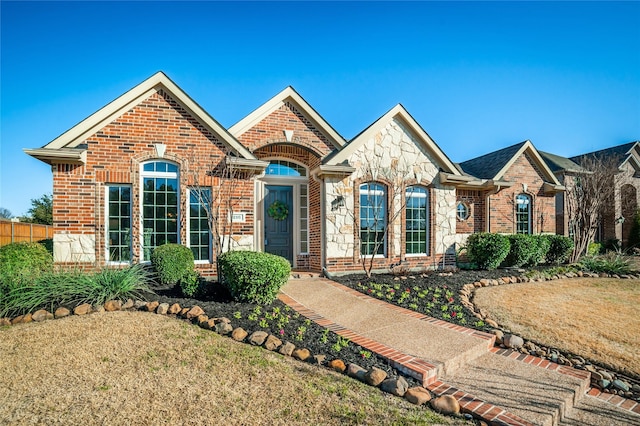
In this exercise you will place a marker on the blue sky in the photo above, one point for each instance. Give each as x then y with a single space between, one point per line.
477 76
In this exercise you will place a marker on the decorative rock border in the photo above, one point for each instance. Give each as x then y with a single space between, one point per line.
604 381
376 377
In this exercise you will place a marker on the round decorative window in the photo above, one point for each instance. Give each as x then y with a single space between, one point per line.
462 211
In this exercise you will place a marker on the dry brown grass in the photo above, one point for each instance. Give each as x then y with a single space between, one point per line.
138 368
595 318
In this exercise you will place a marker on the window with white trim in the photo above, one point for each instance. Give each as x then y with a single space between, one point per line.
118 226
417 220
523 214
373 219
160 205
462 211
198 220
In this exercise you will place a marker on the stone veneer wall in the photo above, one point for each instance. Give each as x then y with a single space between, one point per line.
392 154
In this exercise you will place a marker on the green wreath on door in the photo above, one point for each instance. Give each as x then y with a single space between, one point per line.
278 210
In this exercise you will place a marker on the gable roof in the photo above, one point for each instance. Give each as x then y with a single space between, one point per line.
624 153
396 113
70 141
288 95
495 164
561 164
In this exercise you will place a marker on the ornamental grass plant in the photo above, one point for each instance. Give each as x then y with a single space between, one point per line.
74 287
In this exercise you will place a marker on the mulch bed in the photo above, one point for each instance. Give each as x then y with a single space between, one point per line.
284 323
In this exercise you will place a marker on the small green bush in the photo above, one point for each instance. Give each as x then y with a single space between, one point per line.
487 250
253 276
190 284
609 263
21 263
560 248
521 249
594 249
634 235
173 262
541 247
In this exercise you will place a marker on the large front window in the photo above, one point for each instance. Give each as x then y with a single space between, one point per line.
160 212
523 214
118 223
373 219
417 220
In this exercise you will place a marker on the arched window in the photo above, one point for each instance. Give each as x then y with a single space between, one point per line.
285 168
417 220
373 219
160 201
523 214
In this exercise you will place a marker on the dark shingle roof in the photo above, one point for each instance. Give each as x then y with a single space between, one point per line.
557 163
619 152
487 166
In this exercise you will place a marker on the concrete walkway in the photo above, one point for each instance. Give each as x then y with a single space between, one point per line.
498 385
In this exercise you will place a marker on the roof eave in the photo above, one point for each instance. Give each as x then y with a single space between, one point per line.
339 171
57 156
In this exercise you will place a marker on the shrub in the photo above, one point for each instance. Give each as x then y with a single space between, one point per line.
21 263
190 283
487 250
594 249
634 235
560 247
521 249
74 287
541 247
609 263
252 276
173 262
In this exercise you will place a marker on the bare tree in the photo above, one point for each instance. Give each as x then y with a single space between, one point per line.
586 197
216 185
5 213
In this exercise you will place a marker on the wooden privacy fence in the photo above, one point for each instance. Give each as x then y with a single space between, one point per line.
14 232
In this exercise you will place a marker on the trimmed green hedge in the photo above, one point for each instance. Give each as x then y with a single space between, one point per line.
253 276
634 235
560 248
175 265
487 250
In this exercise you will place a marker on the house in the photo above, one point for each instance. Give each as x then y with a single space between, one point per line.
153 167
511 190
616 218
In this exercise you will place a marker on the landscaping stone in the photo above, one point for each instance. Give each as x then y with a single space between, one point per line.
357 372
162 309
287 349
302 354
194 312
491 323
5 322
61 312
239 334
337 365
257 338
375 376
98 309
223 328
272 343
128 304
83 309
620 385
22 319
202 320
140 304
151 306
605 375
41 315
174 309
446 404
513 341
183 312
319 359
395 386
112 305
417 395
499 336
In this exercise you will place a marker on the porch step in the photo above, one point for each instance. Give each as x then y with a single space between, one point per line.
590 411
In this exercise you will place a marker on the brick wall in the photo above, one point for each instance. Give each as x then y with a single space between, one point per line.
114 155
524 172
475 201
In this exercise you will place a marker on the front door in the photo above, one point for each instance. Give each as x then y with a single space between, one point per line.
278 221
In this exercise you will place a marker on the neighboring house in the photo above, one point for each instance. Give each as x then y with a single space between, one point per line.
510 191
145 169
616 217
